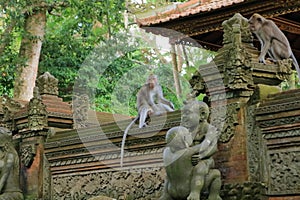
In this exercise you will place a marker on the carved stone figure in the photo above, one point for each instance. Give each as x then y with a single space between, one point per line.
187 158
184 179
9 168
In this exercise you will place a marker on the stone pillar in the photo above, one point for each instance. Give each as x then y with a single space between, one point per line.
231 82
32 123
33 167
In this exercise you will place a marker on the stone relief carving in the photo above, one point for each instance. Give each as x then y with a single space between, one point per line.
37 113
10 106
290 133
285 172
256 153
47 190
28 153
80 108
279 122
284 69
237 68
243 191
228 122
47 84
139 184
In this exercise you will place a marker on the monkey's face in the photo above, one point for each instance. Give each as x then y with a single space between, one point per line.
255 22
152 81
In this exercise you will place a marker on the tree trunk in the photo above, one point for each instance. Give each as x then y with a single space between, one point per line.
30 50
175 71
180 58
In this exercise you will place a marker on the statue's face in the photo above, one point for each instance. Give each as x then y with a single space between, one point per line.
190 116
203 112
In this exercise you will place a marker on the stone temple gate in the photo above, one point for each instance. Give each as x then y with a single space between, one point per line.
65 155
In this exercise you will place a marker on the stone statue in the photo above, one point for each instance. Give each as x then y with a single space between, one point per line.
9 168
187 157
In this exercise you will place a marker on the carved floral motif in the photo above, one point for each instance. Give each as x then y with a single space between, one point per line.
285 172
130 184
228 122
27 154
243 191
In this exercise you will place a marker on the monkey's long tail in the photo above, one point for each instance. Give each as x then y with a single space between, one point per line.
124 139
296 65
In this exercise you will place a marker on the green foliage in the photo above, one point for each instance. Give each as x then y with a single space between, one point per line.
88 49
10 37
72 36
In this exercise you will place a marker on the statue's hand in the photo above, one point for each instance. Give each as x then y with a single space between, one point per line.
195 159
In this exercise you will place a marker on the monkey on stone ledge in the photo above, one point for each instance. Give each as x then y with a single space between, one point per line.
272 40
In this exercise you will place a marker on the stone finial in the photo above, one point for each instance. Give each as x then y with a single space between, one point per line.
236 66
47 84
236 24
37 113
80 111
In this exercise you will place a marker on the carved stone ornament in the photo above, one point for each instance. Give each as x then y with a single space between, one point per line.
46 180
47 84
284 69
254 145
28 153
37 114
228 122
229 26
138 184
243 191
80 108
285 172
10 106
237 66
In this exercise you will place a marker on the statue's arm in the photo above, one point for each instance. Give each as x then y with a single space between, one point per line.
194 149
211 150
6 170
209 145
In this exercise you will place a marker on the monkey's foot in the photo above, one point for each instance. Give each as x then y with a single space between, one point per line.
194 196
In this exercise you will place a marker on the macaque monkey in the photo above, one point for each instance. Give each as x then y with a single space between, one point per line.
150 101
272 40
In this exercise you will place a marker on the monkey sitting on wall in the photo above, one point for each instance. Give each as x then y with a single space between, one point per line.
272 40
150 101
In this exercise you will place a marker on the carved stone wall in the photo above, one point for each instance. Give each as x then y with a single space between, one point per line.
139 184
278 118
